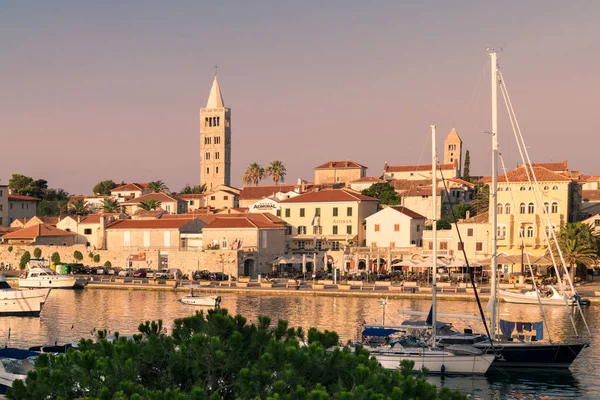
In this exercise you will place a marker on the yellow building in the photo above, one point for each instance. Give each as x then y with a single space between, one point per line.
327 219
344 171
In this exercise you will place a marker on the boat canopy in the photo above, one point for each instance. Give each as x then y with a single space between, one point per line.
379 332
16 354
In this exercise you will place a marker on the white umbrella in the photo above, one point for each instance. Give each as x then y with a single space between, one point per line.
428 262
406 263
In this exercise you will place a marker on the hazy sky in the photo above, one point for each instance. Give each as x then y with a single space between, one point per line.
112 89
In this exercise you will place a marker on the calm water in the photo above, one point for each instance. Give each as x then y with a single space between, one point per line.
70 315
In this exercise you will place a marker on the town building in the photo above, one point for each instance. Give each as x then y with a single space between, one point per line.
395 226
327 219
170 204
419 172
364 183
252 194
129 191
26 222
40 234
223 196
4 218
215 140
453 150
20 206
89 230
344 171
194 201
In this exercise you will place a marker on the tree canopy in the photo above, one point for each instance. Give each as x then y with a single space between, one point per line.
148 205
157 187
199 189
579 245
277 171
254 174
219 356
467 167
384 192
79 207
103 188
52 202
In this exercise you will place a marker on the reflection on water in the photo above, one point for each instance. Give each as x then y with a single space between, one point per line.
70 315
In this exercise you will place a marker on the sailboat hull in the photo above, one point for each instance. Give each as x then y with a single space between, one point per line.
437 362
534 355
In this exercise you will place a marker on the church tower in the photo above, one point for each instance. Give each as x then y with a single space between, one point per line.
215 140
453 151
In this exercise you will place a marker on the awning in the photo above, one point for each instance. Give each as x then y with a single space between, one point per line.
380 332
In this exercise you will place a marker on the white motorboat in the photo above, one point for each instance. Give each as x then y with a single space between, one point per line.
207 301
549 296
43 277
14 364
19 302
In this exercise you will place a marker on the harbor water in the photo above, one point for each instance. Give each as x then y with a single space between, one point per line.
70 315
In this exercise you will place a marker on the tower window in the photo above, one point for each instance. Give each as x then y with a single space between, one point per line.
207 140
207 170
206 121
207 156
217 140
217 155
218 121
210 122
217 170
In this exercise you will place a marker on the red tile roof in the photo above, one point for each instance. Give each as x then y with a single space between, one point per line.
407 184
38 230
330 195
460 181
240 223
95 218
477 219
368 179
421 191
128 187
553 166
261 192
590 195
191 196
411 168
409 213
169 223
256 217
163 198
337 164
20 197
542 174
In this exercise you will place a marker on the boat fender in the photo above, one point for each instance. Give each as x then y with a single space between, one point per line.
443 368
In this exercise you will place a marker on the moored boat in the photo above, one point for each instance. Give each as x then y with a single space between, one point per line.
21 302
14 364
207 301
549 296
43 277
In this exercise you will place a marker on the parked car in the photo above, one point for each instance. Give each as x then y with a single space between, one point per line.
80 270
113 271
168 273
126 272
140 273
150 273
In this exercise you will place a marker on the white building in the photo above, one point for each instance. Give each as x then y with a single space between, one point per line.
395 227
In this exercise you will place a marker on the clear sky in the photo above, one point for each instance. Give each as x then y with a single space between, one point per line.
112 89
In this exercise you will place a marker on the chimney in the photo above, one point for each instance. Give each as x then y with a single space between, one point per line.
79 219
302 187
468 214
299 181
385 166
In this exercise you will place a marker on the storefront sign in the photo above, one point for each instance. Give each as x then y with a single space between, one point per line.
342 221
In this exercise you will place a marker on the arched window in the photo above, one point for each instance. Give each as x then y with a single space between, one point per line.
530 208
499 189
507 189
217 155
206 121
555 208
207 170
522 189
530 231
522 208
547 208
530 188
501 232
546 188
207 156
500 208
554 187
522 231
507 208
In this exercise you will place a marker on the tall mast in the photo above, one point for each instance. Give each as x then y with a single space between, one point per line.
434 236
494 188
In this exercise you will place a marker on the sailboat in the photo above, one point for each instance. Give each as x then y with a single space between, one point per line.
512 354
422 350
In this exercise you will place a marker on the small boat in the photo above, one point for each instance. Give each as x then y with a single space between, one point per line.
14 364
549 296
19 302
206 301
43 277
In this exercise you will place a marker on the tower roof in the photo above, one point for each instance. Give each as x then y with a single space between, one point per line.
215 99
453 135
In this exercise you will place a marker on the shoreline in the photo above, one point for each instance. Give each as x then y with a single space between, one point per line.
303 291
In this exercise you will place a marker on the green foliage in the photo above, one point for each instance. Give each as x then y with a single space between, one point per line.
277 171
107 263
459 211
97 258
27 186
10 249
384 192
55 258
37 252
212 246
149 204
51 207
79 207
77 255
91 256
579 245
253 175
467 167
157 187
103 188
187 189
110 206
481 200
219 356
24 260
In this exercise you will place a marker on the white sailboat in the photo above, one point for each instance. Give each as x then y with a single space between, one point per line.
19 302
463 360
547 297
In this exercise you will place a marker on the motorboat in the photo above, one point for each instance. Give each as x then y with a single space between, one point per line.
43 277
14 364
205 301
21 302
547 296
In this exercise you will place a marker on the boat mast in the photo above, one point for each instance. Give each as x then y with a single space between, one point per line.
434 235
494 188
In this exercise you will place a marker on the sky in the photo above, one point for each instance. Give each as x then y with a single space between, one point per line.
112 90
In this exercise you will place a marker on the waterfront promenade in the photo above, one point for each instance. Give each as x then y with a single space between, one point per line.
287 287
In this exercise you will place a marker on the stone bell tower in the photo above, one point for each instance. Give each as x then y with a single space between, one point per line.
453 151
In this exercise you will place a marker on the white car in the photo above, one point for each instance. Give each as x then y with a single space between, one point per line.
126 272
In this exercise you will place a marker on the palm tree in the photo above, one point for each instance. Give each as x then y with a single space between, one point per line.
254 174
149 205
578 244
110 206
157 187
79 207
187 189
481 201
276 170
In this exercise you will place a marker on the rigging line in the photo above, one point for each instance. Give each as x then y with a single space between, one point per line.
529 172
553 234
469 268
528 259
475 94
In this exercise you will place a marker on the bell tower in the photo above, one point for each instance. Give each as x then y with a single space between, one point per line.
453 151
215 140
